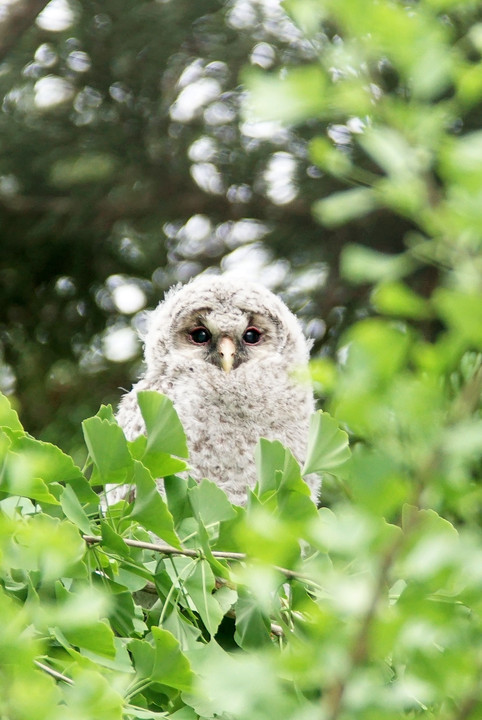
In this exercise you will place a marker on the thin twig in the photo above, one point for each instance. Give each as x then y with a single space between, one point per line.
468 705
167 549
53 673
359 651
463 406
171 550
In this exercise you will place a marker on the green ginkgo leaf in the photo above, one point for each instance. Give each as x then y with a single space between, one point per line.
107 447
327 445
8 416
164 430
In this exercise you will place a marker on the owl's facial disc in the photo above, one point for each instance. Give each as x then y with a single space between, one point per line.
225 348
226 339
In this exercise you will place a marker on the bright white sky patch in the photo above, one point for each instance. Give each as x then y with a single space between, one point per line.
193 97
56 16
202 150
263 55
242 231
120 345
254 263
279 176
45 55
197 228
207 177
52 90
219 113
264 130
129 298
79 61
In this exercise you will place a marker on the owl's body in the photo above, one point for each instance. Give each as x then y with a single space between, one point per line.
227 354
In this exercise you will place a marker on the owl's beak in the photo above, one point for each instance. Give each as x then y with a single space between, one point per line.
227 351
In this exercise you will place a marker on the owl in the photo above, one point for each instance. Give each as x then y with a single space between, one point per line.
227 353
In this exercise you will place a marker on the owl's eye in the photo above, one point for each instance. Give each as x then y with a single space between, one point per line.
252 336
200 335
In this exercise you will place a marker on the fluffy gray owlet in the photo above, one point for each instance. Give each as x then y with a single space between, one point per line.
226 352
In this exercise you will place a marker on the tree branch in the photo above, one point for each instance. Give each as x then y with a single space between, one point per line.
167 549
170 550
53 673
15 19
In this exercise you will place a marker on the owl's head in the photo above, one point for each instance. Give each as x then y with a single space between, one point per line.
225 322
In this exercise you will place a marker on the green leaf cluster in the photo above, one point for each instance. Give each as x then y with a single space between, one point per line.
391 625
119 609
182 605
399 80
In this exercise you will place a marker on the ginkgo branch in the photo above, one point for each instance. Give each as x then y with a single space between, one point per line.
165 549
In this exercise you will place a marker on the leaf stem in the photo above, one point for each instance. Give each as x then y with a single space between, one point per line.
53 673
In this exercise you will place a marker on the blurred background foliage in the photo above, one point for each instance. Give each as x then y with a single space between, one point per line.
333 150
127 164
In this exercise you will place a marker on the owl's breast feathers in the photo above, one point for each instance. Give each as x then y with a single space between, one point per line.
225 414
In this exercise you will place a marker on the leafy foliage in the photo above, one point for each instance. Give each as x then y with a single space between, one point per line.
370 608
181 605
94 603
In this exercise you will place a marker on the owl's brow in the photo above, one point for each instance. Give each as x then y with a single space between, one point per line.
199 315
275 319
256 318
196 316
